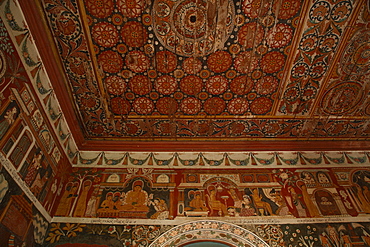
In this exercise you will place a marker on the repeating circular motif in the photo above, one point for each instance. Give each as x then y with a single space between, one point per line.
266 85
120 106
279 36
255 8
140 84
68 25
341 11
183 26
238 106
117 19
309 42
300 70
219 61
166 84
191 85
134 34
115 85
131 8
328 43
143 106
342 97
318 69
241 85
272 62
166 61
292 94
245 63
319 11
216 84
191 106
288 8
214 106
261 105
100 8
137 61
192 65
104 34
110 61
250 34
167 106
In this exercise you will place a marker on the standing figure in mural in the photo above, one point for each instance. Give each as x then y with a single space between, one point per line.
214 203
33 168
66 200
4 186
81 201
91 207
262 206
365 205
197 203
311 207
297 202
237 201
39 182
7 121
136 199
161 209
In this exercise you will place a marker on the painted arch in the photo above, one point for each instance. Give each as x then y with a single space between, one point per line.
209 230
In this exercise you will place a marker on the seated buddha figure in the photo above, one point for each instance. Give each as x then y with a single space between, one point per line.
135 199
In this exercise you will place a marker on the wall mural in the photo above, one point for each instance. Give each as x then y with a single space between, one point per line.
31 161
168 194
21 224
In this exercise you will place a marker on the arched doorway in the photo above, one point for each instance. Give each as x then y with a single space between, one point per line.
208 233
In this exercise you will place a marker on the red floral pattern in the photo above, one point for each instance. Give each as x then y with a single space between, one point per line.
192 65
115 85
190 106
137 61
219 61
238 106
131 8
216 84
214 106
105 34
272 62
120 106
100 8
110 61
166 61
167 105
244 63
251 34
241 85
267 85
191 85
166 84
140 84
134 34
143 106
279 36
288 8
261 106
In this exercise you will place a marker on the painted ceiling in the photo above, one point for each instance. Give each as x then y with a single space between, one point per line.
209 70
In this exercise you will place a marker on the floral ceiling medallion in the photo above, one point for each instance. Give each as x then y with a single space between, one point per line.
193 27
